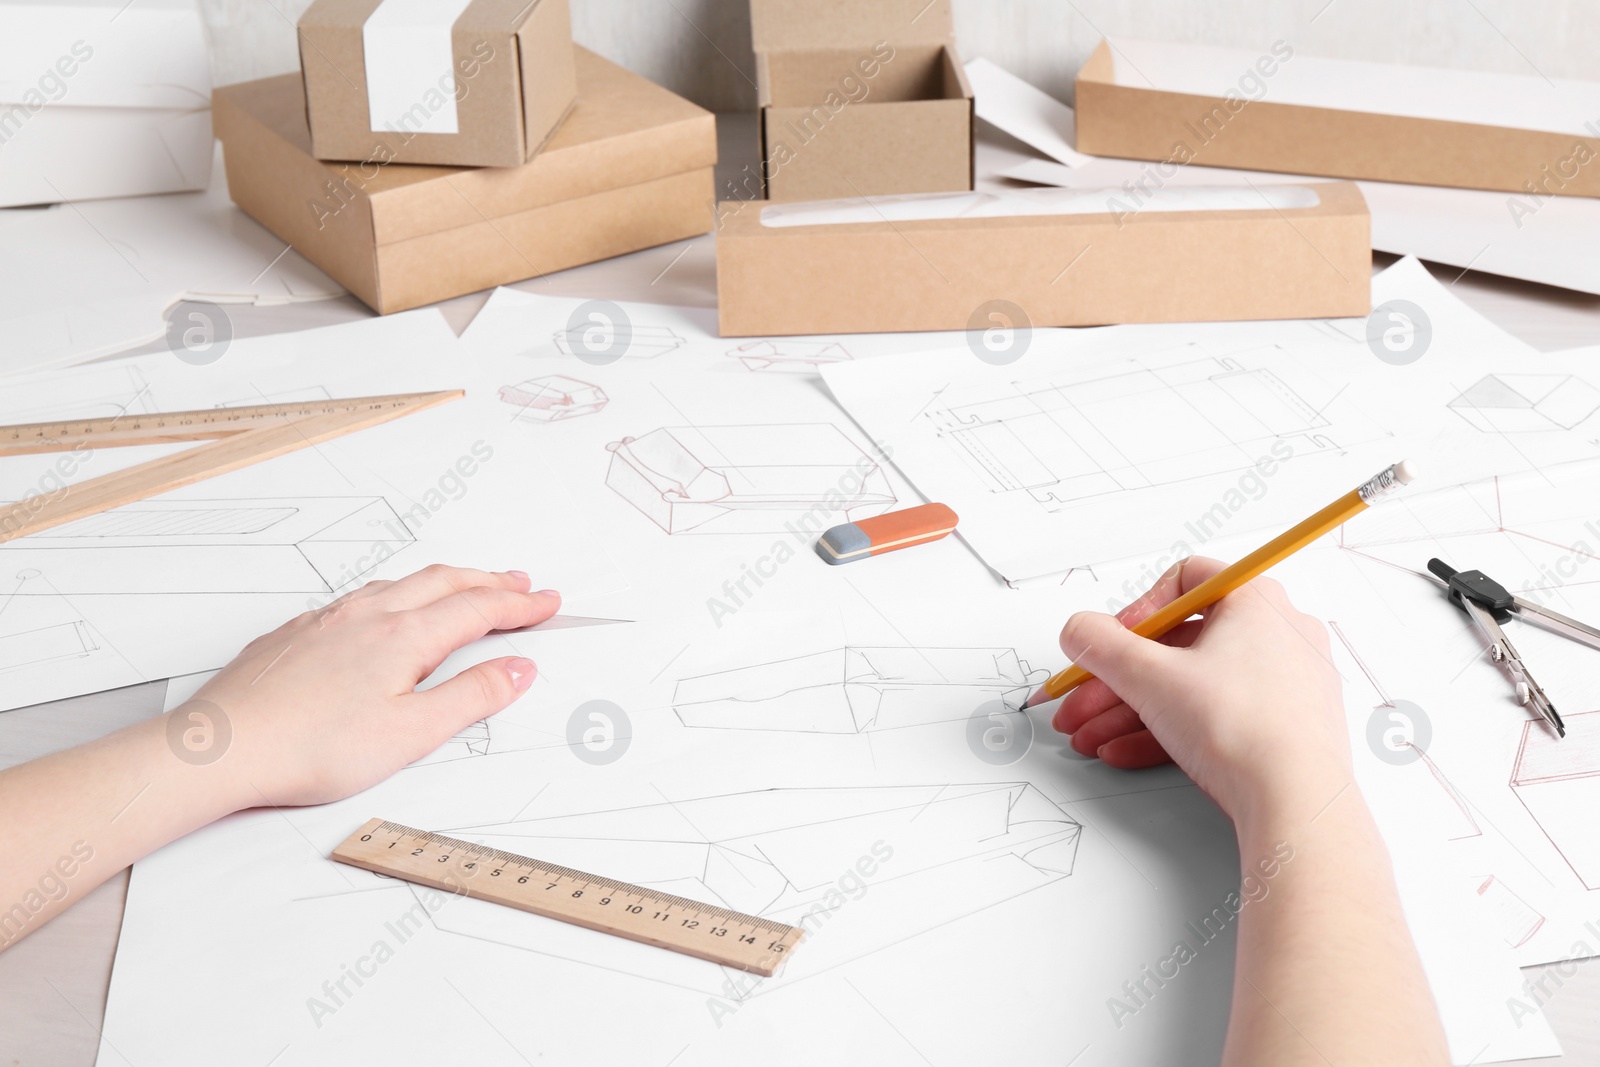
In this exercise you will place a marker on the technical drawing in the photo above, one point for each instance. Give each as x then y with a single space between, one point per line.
644 342
1438 803
98 392
47 644
553 398
474 740
853 690
39 627
1526 403
1444 808
1516 921
1558 781
299 545
1066 440
789 355
1540 528
748 479
938 853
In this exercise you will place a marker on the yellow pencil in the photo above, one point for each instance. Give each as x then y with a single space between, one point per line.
1232 577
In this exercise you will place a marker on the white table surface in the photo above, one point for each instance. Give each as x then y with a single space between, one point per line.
53 984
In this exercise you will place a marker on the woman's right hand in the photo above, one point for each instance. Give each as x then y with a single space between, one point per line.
1245 699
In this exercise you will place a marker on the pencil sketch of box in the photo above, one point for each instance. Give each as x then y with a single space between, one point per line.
42 630
1527 403
1510 914
853 690
553 398
748 479
790 355
931 854
1558 781
293 545
641 342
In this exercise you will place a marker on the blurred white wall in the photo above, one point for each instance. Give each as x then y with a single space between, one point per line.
701 48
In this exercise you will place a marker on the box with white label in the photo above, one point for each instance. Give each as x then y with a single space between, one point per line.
470 83
100 98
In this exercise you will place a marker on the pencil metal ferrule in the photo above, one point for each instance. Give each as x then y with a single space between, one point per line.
1381 484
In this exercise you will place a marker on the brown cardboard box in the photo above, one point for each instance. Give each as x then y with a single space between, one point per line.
1369 121
1060 270
861 98
513 73
631 169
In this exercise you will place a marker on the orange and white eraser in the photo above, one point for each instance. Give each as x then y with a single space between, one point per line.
886 533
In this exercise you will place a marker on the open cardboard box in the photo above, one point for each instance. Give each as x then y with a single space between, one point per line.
1277 110
1280 252
861 98
631 169
485 87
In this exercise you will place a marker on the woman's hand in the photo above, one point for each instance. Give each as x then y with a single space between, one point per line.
324 706
1246 699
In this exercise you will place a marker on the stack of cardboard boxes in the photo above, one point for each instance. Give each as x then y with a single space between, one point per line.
431 148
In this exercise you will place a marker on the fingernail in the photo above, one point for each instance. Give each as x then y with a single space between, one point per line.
519 574
549 592
522 672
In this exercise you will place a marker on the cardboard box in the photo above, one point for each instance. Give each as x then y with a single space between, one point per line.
472 83
1278 110
860 98
1305 252
631 169
101 99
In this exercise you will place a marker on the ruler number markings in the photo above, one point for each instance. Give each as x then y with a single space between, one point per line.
604 904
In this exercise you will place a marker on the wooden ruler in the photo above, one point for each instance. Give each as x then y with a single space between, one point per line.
730 938
236 437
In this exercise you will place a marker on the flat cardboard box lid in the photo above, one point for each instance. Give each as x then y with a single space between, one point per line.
1465 97
625 130
804 25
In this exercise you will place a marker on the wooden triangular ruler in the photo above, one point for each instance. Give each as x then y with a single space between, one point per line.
235 438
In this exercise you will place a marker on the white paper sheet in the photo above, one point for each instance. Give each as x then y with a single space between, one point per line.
178 584
1006 101
704 463
740 712
1481 785
1139 440
99 277
182 688
763 813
